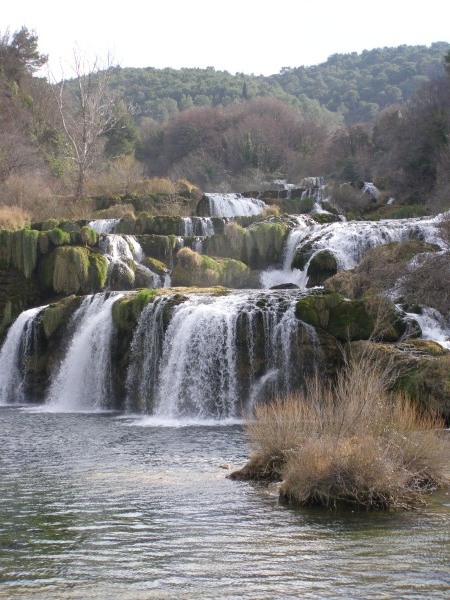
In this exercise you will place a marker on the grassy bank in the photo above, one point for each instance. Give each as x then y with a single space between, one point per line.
350 444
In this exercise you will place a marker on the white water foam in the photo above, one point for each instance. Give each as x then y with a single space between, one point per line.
234 205
83 381
14 355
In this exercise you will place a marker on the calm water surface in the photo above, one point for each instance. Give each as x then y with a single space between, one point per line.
99 506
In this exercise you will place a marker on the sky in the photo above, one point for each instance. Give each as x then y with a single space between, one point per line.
245 36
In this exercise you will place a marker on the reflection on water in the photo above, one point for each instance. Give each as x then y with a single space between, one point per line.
99 506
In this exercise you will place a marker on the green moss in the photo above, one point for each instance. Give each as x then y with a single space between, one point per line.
322 266
57 314
66 270
263 244
43 242
160 247
122 313
156 266
141 299
88 236
193 269
127 225
49 224
58 237
126 310
24 250
144 223
351 319
98 271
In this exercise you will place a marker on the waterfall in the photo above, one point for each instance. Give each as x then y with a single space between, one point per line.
104 225
234 205
214 354
15 356
271 277
197 226
122 251
348 241
434 326
83 381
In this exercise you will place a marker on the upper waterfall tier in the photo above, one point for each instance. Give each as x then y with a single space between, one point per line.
234 205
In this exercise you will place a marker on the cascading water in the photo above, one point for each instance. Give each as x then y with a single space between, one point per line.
83 381
121 251
234 205
434 326
348 241
215 354
104 225
15 355
197 226
271 277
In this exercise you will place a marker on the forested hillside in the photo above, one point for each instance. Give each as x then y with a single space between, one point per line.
382 116
354 85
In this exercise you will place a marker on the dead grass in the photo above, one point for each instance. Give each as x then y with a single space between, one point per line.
350 444
12 217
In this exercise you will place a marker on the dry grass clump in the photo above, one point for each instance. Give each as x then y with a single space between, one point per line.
157 185
272 210
12 217
353 444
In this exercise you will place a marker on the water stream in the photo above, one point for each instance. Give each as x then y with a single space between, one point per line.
98 506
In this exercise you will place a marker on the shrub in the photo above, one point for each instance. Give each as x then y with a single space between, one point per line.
350 444
271 211
12 217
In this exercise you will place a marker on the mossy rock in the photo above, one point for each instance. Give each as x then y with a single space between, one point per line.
19 249
126 310
121 276
98 271
379 269
72 270
127 225
49 224
160 247
144 223
263 244
428 382
322 266
351 319
144 278
88 236
43 242
156 266
302 256
58 237
199 270
17 293
57 314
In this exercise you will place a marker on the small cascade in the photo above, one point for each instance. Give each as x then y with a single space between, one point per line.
348 241
121 252
234 205
83 381
20 345
271 277
104 225
194 368
197 226
370 189
434 326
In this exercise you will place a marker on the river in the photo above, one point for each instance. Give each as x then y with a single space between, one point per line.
105 506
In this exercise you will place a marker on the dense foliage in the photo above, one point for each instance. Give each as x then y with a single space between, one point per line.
354 85
382 115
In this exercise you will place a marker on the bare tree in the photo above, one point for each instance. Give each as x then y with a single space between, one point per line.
88 110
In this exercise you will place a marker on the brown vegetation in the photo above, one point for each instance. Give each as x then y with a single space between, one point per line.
351 444
12 217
